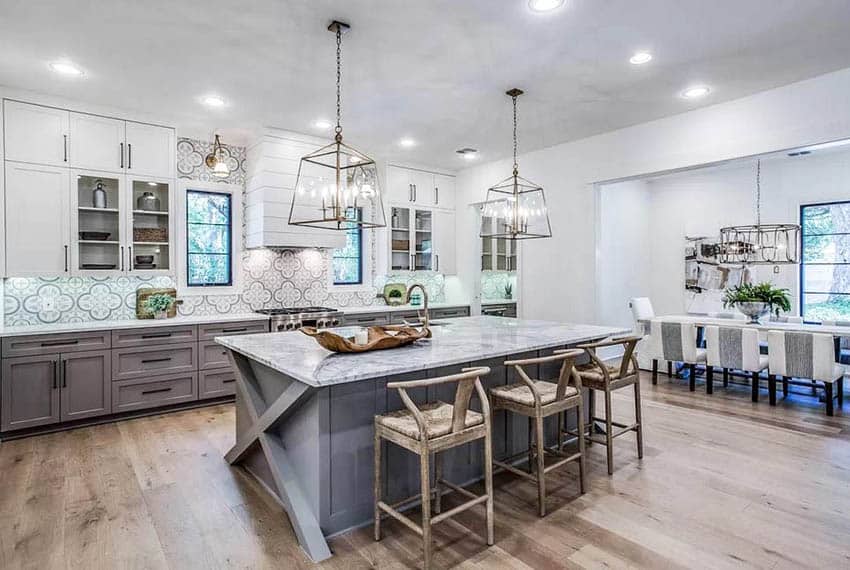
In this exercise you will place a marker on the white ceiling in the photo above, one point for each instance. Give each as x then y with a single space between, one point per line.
433 70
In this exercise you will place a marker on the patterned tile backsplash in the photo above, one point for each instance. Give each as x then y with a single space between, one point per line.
270 278
493 284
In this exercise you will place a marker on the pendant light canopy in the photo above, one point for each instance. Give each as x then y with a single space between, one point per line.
760 244
515 207
337 186
217 161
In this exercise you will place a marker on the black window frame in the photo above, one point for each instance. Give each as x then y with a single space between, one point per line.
229 253
359 230
803 263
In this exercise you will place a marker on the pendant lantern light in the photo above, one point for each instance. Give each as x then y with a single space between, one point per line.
515 208
337 186
760 244
217 161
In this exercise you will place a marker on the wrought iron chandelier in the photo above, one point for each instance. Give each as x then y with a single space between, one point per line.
515 208
761 244
337 186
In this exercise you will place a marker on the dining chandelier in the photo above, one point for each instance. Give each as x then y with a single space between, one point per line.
515 208
337 187
760 244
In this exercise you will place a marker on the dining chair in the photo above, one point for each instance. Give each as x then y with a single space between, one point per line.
539 399
733 348
434 428
808 356
677 343
843 351
648 350
608 377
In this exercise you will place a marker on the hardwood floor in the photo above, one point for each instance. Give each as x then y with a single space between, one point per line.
724 484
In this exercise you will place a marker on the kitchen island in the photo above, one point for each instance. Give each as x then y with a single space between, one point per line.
304 416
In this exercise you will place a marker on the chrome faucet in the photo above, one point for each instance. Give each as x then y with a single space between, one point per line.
423 314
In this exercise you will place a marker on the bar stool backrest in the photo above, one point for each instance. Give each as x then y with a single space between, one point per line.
678 341
567 372
801 355
467 381
732 347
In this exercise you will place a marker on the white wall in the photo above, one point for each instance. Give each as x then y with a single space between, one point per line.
624 253
557 276
699 203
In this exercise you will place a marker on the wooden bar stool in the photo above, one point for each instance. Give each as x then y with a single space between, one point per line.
434 428
538 399
606 378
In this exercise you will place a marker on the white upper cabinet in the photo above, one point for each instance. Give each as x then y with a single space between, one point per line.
423 187
399 188
35 134
151 150
97 143
36 220
445 257
444 191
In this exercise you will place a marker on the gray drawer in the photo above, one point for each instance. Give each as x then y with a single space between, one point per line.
216 383
52 343
130 395
399 317
367 319
212 330
450 313
506 310
131 363
211 356
153 335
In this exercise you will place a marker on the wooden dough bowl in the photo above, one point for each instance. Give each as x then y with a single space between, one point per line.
380 338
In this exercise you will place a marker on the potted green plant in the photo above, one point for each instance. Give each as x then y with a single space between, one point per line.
159 305
756 300
509 291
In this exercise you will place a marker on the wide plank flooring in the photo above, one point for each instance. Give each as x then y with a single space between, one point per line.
723 484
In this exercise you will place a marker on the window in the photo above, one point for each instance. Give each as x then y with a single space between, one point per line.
825 267
209 244
348 261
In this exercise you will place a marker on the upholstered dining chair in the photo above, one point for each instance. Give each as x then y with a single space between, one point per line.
648 351
808 356
735 348
539 399
606 378
844 353
433 428
678 343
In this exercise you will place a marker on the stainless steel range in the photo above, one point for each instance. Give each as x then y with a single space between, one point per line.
295 318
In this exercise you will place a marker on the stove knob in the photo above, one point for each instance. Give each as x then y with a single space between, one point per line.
335 322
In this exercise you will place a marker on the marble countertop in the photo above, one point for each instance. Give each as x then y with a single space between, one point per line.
394 308
51 328
460 341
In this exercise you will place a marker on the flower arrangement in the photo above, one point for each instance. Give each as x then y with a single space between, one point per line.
773 299
159 305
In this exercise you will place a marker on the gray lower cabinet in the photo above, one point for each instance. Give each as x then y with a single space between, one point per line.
366 319
154 335
212 355
128 395
500 310
449 313
41 344
399 317
30 392
132 363
86 386
216 383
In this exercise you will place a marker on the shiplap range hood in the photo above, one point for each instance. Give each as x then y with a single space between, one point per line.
273 159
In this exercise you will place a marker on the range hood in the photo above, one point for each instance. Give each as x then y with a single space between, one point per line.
272 167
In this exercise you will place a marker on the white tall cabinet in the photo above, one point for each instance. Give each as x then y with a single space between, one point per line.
54 161
421 220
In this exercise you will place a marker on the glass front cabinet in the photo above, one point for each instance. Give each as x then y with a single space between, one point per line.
411 239
120 225
497 254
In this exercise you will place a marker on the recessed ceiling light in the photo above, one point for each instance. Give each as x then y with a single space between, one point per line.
407 142
322 124
213 101
544 5
641 57
696 92
66 68
468 153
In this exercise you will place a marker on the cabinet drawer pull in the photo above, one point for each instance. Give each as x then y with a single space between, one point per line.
60 342
129 155
64 148
436 196
55 382
121 154
64 373
122 258
151 360
66 259
228 381
157 391
243 329
157 335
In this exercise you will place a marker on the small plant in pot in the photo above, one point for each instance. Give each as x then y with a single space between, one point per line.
159 305
509 291
756 300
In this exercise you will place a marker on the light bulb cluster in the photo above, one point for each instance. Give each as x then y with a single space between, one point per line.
355 189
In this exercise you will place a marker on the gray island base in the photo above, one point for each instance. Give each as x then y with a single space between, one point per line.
304 416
